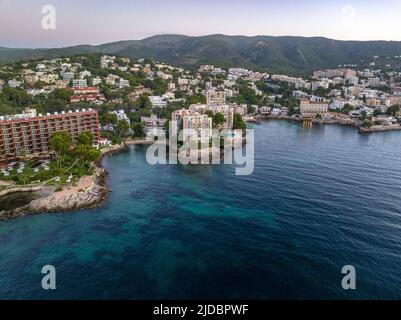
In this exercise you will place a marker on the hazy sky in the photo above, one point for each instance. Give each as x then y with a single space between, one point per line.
100 21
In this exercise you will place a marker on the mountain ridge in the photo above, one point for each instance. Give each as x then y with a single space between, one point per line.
286 54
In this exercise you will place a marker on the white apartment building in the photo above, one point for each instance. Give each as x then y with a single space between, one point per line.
123 83
183 81
14 83
297 82
265 110
106 60
168 96
96 81
153 124
171 86
276 112
299 94
374 82
41 67
48 78
241 109
157 102
31 79
67 75
121 115
80 83
239 72
206 68
84 74
111 79
338 104
325 83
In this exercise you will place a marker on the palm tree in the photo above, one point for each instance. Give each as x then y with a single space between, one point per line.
60 142
122 130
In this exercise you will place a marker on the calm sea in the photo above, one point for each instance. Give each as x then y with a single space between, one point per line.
319 199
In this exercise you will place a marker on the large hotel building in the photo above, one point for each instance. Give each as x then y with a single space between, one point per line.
30 133
313 107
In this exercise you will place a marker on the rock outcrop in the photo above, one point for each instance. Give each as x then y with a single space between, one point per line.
19 189
90 197
91 192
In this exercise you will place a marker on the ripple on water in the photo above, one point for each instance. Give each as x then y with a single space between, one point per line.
318 199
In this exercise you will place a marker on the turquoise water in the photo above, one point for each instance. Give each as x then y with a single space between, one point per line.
319 199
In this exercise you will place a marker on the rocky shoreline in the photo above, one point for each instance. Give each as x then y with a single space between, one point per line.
315 121
379 129
360 128
90 192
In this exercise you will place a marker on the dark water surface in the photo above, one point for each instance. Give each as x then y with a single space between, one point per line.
16 200
318 200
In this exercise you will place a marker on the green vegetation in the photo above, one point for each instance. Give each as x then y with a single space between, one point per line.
71 170
367 124
393 110
60 142
288 55
251 110
122 130
86 153
108 120
239 122
14 101
347 109
377 113
139 130
85 138
219 119
72 162
210 113
143 102
247 96
158 86
195 99
322 92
